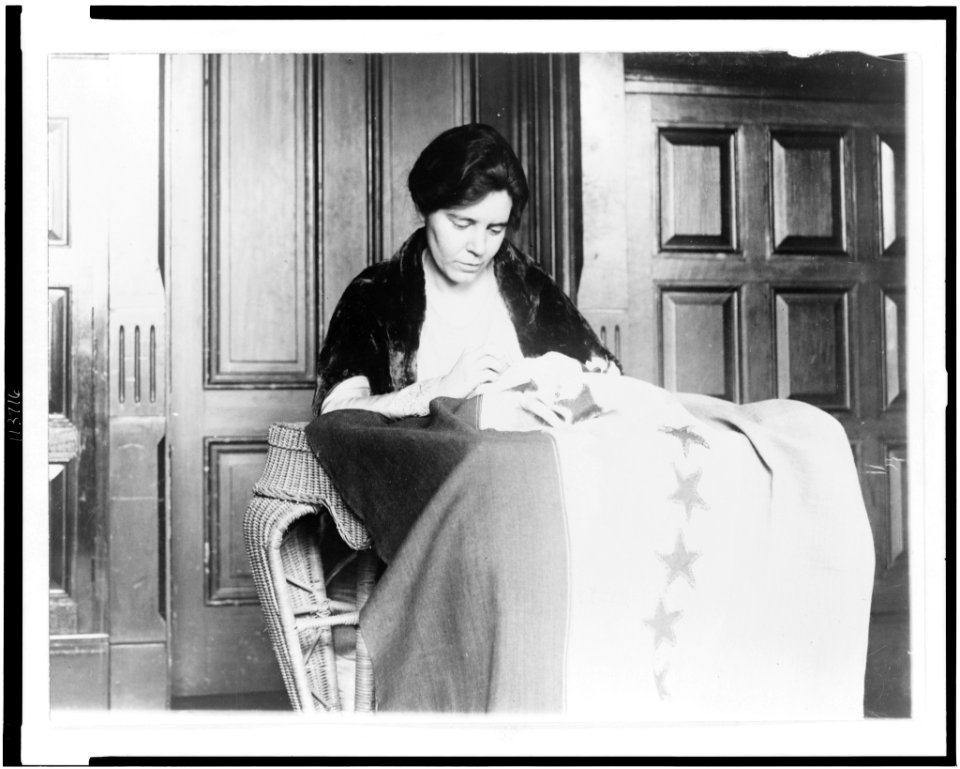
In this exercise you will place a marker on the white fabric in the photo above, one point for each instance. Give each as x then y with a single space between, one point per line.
767 614
354 393
456 320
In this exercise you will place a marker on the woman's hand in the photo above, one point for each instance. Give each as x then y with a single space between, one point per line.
557 376
474 368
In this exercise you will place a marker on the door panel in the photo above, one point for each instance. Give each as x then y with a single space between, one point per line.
697 190
813 350
809 209
262 244
701 352
77 252
767 237
243 256
891 158
235 466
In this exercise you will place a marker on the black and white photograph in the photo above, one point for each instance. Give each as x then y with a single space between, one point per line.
497 387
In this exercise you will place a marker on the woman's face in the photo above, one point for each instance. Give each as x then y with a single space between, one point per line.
463 241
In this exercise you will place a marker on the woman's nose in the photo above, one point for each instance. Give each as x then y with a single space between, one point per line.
477 243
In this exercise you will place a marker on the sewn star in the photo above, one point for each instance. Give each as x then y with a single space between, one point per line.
661 687
687 493
679 561
662 624
686 436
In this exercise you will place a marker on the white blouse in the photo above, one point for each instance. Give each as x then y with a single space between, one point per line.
456 321
453 322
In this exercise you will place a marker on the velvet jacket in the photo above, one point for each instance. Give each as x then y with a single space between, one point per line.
375 328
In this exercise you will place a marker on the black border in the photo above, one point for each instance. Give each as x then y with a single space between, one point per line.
950 415
13 376
502 12
527 761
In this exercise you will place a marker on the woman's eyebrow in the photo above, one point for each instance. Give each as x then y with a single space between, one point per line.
454 215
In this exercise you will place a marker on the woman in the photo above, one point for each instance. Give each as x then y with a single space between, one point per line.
458 304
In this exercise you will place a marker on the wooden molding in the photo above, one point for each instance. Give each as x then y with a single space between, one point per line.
239 351
375 124
534 100
468 70
892 194
137 363
700 340
831 76
813 357
227 576
893 353
60 309
702 216
896 498
808 203
58 181
79 671
604 157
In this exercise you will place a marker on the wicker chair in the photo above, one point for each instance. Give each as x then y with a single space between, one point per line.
290 514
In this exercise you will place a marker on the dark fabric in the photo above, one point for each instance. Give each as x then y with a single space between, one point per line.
387 470
473 604
375 328
471 615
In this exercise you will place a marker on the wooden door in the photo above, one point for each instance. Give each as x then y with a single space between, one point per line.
242 280
766 260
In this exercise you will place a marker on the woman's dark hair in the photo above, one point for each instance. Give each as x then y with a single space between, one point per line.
461 166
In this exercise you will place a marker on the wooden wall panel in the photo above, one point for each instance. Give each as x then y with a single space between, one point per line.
59 349
345 174
262 248
892 173
808 192
894 328
414 98
700 347
136 611
58 527
498 83
812 341
234 466
138 676
552 157
58 181
611 327
139 366
697 193
534 101
79 672
63 448
895 462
